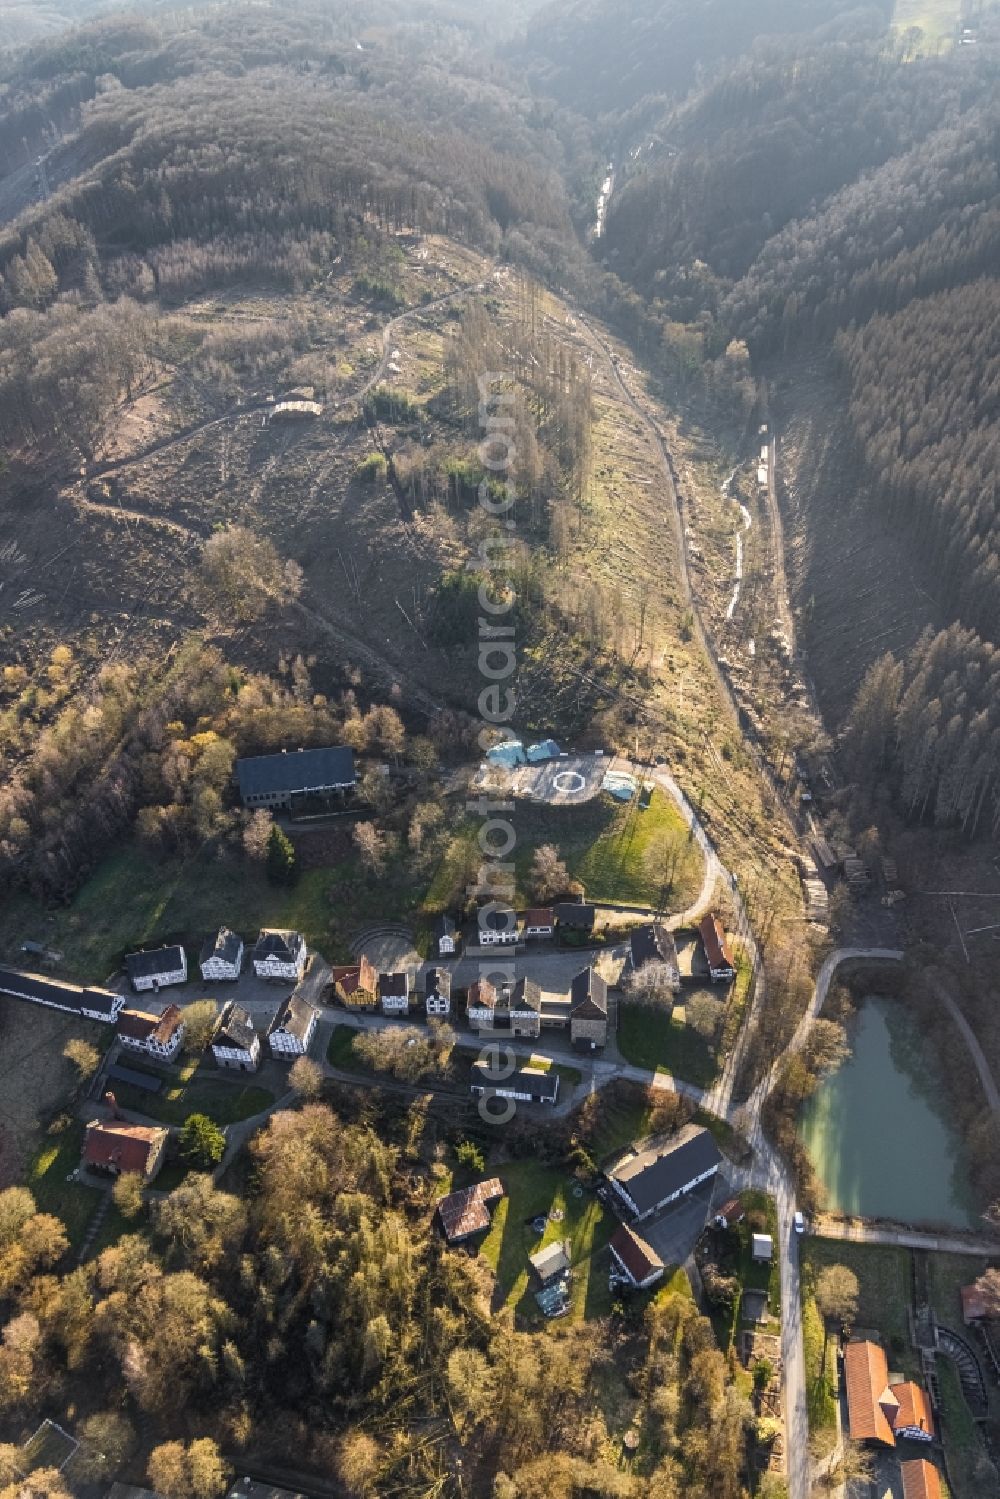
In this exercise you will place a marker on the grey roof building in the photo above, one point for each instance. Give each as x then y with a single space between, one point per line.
653 943
236 1028
274 780
99 1004
650 1179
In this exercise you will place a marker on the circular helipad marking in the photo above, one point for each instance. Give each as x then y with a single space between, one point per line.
568 781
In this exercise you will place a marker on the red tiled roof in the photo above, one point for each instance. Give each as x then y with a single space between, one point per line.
920 1480
137 1024
466 1212
482 994
867 1376
713 935
638 1257
356 977
126 1147
914 1408
540 916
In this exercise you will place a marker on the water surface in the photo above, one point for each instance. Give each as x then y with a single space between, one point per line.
878 1129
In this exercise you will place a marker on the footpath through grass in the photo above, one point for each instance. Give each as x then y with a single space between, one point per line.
663 1043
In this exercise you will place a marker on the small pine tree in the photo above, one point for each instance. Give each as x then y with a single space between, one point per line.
202 1142
280 857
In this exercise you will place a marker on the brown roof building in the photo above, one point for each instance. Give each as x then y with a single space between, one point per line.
116 1146
879 1412
920 1480
482 995
973 1304
639 1260
465 1213
357 983
718 953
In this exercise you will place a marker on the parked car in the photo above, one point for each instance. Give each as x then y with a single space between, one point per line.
800 1223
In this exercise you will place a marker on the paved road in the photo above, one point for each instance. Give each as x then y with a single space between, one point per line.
856 1231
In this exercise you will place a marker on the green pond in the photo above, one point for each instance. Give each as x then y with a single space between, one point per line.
878 1131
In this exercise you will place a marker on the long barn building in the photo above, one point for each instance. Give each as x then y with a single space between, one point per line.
58 994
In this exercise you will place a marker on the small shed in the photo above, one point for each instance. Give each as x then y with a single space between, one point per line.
762 1247
552 1262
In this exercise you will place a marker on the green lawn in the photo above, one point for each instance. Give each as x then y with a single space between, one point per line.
946 1274
603 843
533 1189
191 1089
134 898
751 1274
662 1043
960 1435
56 1159
622 1116
884 1283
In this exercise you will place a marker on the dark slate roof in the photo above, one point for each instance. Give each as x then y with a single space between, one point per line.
391 984
445 927
299 770
293 1017
285 946
149 965
225 945
41 990
588 996
653 1175
142 1080
653 943
575 914
235 1028
540 1084
438 981
526 995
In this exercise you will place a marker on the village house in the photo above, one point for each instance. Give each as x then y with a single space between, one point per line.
291 1030
647 1181
879 1412
496 927
466 1213
56 994
156 969
271 781
539 923
446 935
280 955
588 1015
525 1085
762 1248
437 992
113 1147
221 957
637 1261
921 1480
654 943
236 1044
394 993
513 1010
356 985
574 916
718 953
158 1037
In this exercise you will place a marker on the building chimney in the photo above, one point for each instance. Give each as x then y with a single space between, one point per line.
112 1103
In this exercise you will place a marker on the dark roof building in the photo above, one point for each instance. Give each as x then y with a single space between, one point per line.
273 780
295 1019
651 1179
98 1004
226 946
286 947
588 994
653 943
525 995
526 1084
155 963
236 1028
438 981
576 916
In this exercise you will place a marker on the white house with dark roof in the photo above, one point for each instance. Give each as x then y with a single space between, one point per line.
496 926
236 1044
159 1037
221 957
437 992
156 969
646 1181
56 994
635 1260
446 936
280 955
524 1085
270 781
394 993
292 1028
